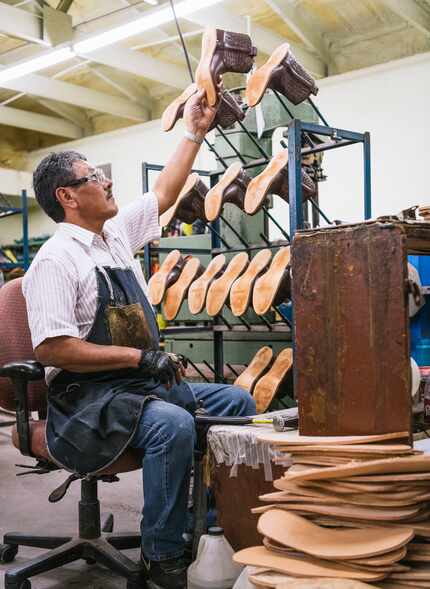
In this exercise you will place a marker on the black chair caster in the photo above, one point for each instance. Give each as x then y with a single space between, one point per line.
8 553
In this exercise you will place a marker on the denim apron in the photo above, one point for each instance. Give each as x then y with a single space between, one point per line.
93 416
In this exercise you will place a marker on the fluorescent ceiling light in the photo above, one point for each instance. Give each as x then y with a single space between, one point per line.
36 64
147 22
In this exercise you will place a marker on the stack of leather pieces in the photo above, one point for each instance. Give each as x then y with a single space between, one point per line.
352 508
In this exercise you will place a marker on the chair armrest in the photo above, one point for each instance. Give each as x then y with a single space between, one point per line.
21 373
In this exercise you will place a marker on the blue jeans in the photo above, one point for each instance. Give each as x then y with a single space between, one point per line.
166 433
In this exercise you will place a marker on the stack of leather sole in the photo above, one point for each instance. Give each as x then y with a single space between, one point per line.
347 487
265 375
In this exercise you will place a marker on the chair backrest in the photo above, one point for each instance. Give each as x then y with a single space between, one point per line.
15 344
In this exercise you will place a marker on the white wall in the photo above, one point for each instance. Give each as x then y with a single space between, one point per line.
390 101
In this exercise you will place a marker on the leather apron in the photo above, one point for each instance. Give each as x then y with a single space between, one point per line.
92 417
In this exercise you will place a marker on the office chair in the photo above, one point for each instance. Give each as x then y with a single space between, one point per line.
22 387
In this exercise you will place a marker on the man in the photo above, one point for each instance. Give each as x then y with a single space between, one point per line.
92 326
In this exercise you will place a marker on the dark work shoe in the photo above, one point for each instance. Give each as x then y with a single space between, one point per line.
166 574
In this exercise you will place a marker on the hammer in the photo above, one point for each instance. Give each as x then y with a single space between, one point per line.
280 423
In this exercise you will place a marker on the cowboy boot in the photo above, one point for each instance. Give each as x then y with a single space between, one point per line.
228 113
268 386
241 291
222 51
220 288
167 275
199 288
274 180
256 368
190 204
274 286
282 72
176 294
231 188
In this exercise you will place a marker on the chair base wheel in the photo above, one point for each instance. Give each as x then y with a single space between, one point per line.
8 553
23 584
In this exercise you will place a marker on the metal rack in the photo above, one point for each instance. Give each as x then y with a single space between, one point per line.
299 135
8 210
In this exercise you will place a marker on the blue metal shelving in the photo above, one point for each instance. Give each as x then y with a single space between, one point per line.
7 210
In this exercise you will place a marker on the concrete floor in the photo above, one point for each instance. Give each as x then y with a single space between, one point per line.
24 507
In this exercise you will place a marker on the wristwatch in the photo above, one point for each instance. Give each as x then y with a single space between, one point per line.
192 137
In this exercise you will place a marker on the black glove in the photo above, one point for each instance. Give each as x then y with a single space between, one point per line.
163 366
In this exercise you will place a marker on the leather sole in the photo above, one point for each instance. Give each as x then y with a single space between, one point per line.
259 80
220 288
198 290
241 291
214 198
269 384
203 72
266 287
258 188
176 294
167 217
170 115
259 364
158 282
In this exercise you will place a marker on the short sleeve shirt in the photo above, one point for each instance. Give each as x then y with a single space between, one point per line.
60 287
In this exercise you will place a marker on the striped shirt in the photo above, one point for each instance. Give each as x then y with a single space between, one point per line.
60 287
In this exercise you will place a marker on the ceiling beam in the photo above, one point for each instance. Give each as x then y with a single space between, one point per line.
24 119
291 17
37 85
410 11
21 24
139 64
68 112
264 39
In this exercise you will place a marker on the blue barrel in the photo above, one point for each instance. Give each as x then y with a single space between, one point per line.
420 323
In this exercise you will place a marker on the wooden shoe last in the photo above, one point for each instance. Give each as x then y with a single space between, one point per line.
230 189
176 294
190 204
199 288
269 384
258 366
220 288
167 275
241 291
274 286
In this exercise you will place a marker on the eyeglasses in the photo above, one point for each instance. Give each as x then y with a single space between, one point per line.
97 176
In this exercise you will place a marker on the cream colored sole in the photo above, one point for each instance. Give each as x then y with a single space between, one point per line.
256 368
220 288
167 217
266 287
259 186
157 283
213 199
268 385
259 80
241 291
199 288
178 291
203 71
168 118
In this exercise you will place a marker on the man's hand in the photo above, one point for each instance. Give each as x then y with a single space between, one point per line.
198 115
163 366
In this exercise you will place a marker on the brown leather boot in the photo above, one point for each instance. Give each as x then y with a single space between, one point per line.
228 113
241 291
176 294
255 370
222 51
268 386
220 288
281 72
274 180
167 275
274 286
199 288
190 204
231 188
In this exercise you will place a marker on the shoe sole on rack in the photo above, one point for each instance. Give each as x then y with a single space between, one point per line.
214 198
259 187
158 283
259 80
258 366
220 288
199 288
176 294
241 291
203 72
266 287
269 384
171 114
